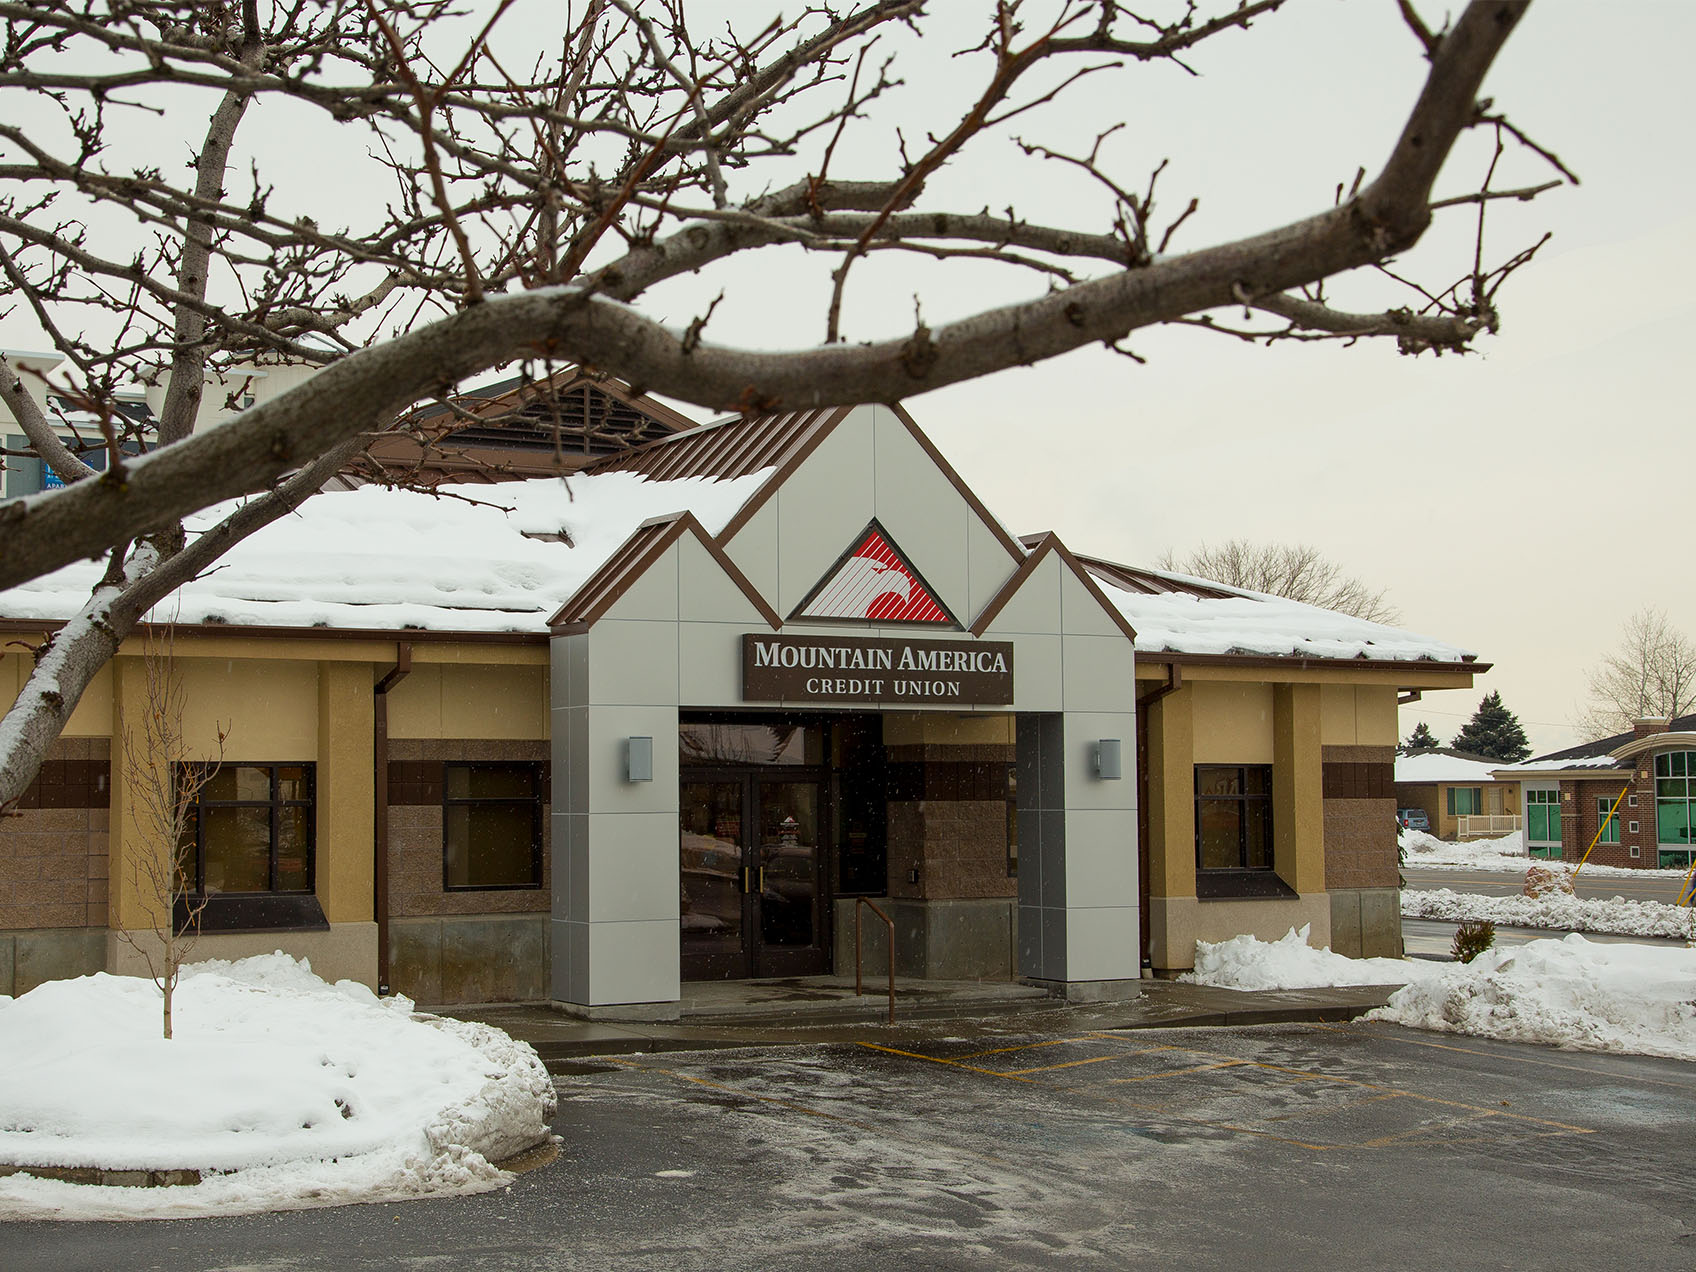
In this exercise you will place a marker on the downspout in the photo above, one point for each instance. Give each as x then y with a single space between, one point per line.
380 819
1174 682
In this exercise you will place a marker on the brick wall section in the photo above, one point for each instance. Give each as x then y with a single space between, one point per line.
1360 817
53 853
1580 819
415 829
948 820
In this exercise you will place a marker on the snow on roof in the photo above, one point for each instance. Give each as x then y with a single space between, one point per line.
375 558
1434 766
1533 767
1243 622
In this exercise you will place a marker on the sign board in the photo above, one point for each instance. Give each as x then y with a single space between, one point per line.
871 669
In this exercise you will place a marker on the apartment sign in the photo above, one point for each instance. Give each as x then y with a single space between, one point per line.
971 673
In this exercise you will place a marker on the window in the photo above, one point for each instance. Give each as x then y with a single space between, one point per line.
1675 806
1233 817
251 831
1609 826
1465 800
491 826
1542 817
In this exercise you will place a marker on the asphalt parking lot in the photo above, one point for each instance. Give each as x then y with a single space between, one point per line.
1275 1146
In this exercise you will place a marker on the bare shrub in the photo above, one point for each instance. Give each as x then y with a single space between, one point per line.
164 789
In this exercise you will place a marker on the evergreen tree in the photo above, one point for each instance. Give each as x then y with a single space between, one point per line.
1419 739
1494 731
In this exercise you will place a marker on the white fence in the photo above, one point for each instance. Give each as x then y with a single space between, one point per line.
1485 825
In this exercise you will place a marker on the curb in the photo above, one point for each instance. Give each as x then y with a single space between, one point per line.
571 1058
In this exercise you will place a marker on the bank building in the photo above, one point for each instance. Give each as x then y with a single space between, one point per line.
667 719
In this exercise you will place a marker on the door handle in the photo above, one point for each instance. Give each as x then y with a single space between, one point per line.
747 878
762 880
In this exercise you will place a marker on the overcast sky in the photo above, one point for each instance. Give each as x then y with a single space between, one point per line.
1522 502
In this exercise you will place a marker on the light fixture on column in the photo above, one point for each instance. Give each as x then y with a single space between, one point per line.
1106 756
638 759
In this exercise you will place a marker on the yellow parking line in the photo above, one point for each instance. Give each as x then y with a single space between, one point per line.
969 1068
1024 1046
738 1091
1177 1073
1067 1064
1395 1034
1412 1095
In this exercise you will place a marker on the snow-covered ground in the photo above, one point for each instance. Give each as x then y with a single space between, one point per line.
285 1092
1504 854
1569 993
1560 911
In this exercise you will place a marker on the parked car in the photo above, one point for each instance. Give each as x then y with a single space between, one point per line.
1412 819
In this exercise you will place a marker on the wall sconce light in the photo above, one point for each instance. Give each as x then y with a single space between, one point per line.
1106 755
638 759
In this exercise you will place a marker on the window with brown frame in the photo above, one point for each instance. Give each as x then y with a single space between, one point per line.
248 850
491 827
1233 817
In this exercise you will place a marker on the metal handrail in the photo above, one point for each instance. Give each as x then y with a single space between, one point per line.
859 987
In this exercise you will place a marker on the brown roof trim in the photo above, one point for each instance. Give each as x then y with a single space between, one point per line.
810 441
602 590
1305 662
1014 548
1049 544
416 635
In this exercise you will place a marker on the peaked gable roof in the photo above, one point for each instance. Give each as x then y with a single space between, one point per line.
601 590
873 581
1045 546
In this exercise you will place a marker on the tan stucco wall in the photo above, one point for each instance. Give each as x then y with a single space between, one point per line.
1298 789
268 710
1358 715
93 715
1233 723
1171 795
451 700
345 791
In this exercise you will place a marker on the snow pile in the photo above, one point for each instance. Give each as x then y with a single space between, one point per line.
1569 993
1554 909
1243 962
1506 853
464 560
284 1091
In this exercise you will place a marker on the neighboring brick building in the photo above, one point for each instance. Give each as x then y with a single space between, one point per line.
1649 774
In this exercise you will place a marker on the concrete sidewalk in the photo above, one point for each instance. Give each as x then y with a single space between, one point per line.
824 1009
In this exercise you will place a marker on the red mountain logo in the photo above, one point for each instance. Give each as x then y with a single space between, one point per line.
874 583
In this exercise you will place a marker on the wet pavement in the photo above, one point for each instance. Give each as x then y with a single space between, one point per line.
1000 1146
823 1009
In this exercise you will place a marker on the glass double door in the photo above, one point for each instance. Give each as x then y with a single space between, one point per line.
752 857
